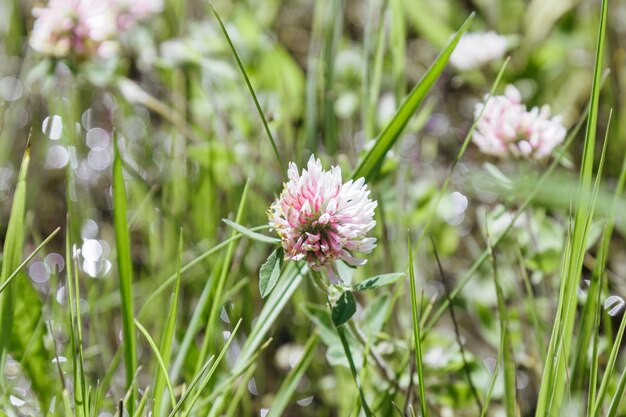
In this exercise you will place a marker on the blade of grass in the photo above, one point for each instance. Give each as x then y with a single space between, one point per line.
588 315
227 383
290 280
194 326
249 85
125 272
586 325
373 84
195 381
494 376
332 28
189 265
15 273
76 339
355 375
288 386
371 161
142 403
250 234
555 378
538 326
216 305
159 358
209 374
168 338
610 367
232 408
397 40
21 335
455 325
593 371
417 339
510 390
11 257
620 391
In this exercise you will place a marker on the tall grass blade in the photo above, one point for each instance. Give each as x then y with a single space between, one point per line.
211 371
249 85
142 403
288 387
417 339
355 374
510 390
21 336
291 278
216 304
555 378
371 161
620 392
192 385
167 339
125 272
75 328
159 358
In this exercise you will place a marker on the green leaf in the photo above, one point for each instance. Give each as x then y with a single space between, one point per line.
270 272
378 281
369 165
125 272
344 309
250 234
21 327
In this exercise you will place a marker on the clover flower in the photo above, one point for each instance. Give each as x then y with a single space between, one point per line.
320 219
82 28
86 28
507 128
476 49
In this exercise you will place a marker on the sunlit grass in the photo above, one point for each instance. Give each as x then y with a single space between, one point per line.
139 273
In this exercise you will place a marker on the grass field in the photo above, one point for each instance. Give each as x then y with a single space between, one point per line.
171 245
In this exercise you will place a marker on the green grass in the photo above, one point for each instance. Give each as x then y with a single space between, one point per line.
168 156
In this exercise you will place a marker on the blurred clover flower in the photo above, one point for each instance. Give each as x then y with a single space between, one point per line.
86 28
83 28
320 219
507 128
476 49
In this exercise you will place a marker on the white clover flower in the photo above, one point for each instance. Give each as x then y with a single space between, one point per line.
82 28
86 28
320 219
507 128
476 49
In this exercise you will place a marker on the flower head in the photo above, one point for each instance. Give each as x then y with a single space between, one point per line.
320 219
86 28
82 28
476 49
507 128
